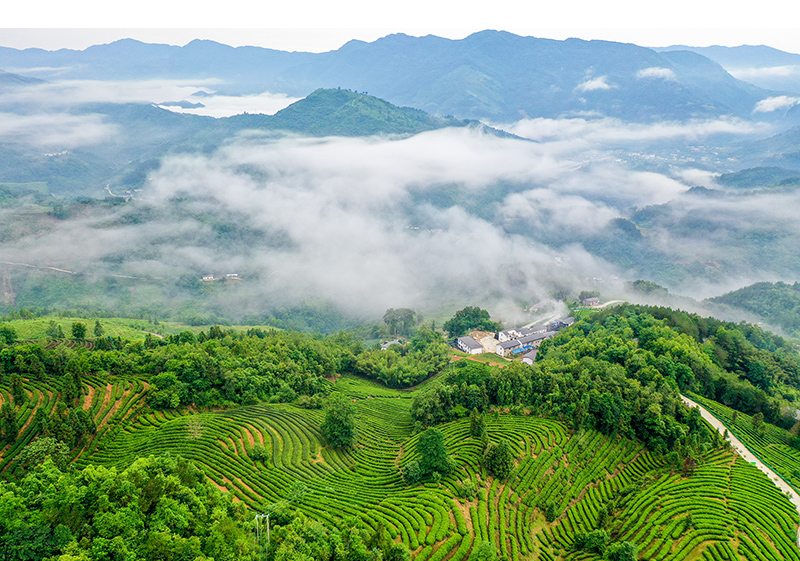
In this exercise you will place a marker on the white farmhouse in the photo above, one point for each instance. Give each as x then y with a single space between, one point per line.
469 345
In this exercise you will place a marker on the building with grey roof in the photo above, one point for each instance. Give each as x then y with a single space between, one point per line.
469 345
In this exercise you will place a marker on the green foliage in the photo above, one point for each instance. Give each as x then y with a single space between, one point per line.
79 330
550 510
7 334
41 449
468 490
477 424
499 459
621 551
432 453
468 319
484 551
425 355
594 541
613 373
777 303
647 287
400 321
412 473
54 330
158 508
8 424
339 426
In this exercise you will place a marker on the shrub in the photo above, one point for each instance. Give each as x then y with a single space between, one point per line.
411 473
468 489
258 453
499 459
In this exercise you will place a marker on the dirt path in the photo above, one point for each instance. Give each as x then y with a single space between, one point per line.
747 455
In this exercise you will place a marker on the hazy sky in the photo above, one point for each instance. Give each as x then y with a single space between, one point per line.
320 26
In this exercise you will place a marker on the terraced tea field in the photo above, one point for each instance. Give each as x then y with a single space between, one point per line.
726 510
769 443
110 403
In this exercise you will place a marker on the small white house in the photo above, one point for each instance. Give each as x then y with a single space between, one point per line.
469 345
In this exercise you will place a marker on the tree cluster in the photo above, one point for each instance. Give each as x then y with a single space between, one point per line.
339 426
402 366
433 458
469 319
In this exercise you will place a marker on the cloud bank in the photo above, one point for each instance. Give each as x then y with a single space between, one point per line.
775 103
435 221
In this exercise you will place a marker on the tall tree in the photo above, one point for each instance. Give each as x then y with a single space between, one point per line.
432 452
79 330
8 423
339 426
499 459
400 321
477 424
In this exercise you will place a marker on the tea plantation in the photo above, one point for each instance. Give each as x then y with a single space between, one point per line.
725 509
582 484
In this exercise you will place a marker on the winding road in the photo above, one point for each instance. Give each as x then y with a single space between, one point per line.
748 456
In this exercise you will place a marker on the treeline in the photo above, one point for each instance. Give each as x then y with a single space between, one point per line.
158 508
220 367
620 372
402 366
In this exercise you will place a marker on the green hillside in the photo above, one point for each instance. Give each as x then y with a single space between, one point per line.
777 303
602 459
337 112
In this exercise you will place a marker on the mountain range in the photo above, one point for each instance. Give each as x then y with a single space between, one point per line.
489 75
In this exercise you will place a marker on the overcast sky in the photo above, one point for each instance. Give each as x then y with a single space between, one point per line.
318 26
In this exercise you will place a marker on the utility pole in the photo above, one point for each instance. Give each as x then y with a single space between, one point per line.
258 535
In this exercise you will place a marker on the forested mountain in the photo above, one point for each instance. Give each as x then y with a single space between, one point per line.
342 113
777 303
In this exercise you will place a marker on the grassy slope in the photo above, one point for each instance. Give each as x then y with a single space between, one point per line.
735 510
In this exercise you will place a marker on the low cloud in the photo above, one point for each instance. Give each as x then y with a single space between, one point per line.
72 92
599 131
775 103
445 218
55 130
656 72
226 105
748 74
600 83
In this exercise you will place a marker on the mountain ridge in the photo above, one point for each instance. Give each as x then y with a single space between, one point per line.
490 75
